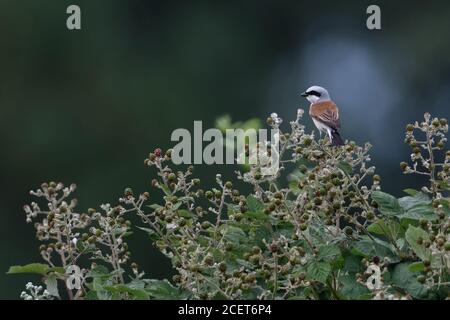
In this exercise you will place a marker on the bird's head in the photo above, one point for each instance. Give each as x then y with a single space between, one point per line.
316 94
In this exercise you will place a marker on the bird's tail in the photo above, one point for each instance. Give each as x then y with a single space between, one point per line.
336 139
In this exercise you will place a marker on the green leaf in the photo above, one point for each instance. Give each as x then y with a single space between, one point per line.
318 271
99 272
353 290
388 204
38 268
256 216
165 188
404 278
293 185
328 253
154 206
370 248
412 235
151 233
137 293
163 290
352 263
185 214
411 192
387 228
419 198
346 167
59 270
52 285
261 233
254 204
234 234
416 267
417 207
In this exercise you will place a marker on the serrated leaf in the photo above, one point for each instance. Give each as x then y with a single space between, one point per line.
404 278
233 234
417 207
318 271
412 236
352 289
38 268
99 272
256 216
390 228
370 248
328 252
261 233
254 204
387 204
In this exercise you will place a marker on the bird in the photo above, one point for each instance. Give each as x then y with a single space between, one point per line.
324 113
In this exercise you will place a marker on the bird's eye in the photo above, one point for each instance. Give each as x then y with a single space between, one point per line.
314 93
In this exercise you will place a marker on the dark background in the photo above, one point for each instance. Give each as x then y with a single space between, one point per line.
87 106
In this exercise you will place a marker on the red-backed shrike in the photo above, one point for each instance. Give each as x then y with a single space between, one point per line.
324 113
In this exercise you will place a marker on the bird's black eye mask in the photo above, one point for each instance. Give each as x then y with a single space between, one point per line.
313 93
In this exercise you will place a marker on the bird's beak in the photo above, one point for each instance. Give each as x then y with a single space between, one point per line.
304 94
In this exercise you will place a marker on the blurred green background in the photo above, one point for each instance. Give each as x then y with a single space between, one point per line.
87 106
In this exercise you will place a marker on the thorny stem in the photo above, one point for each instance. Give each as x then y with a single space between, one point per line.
432 165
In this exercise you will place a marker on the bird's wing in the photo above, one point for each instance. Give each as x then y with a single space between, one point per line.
326 112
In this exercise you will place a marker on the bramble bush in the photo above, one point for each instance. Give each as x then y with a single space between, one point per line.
329 232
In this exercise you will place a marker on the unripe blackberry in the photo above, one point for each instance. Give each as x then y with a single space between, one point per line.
274 248
421 279
403 166
208 195
176 278
209 260
440 241
410 127
256 250
205 225
223 267
348 231
301 251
